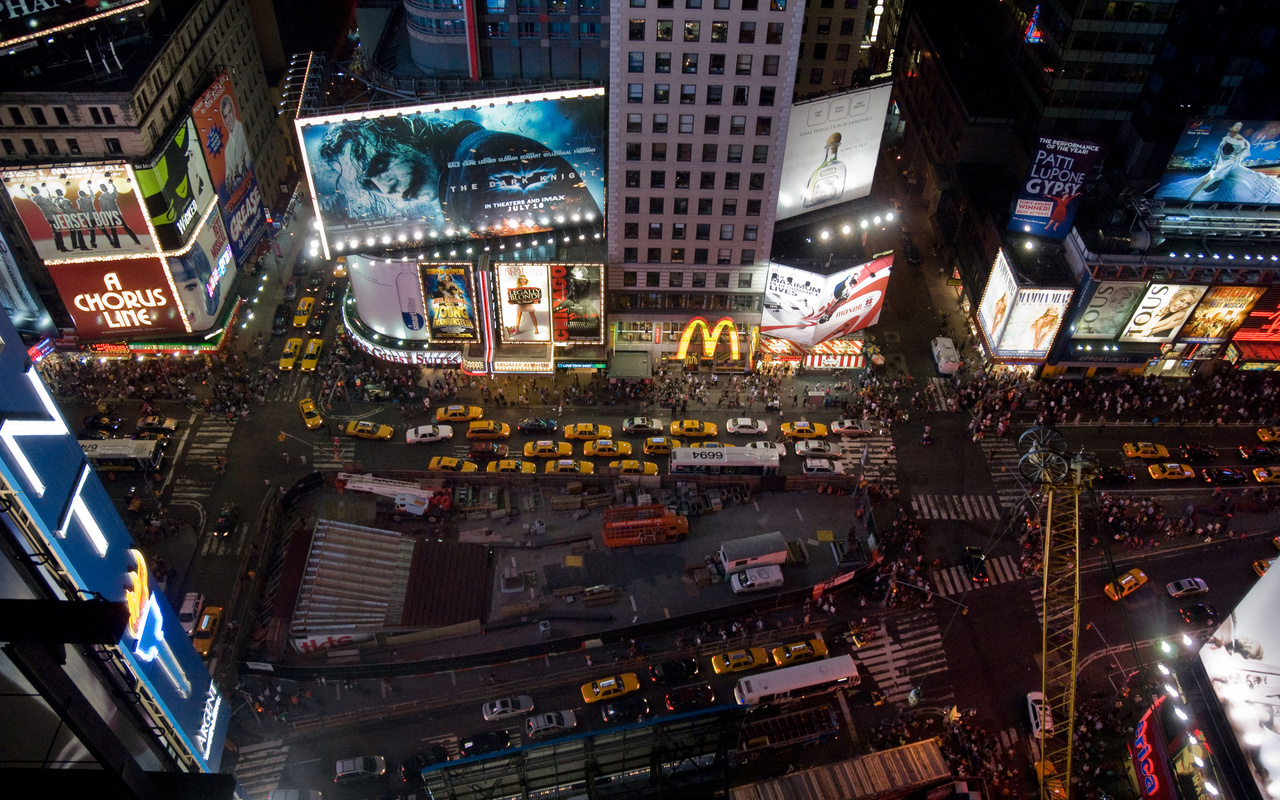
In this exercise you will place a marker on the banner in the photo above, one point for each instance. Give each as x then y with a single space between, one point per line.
216 115
118 299
808 308
80 210
576 303
1262 323
1162 313
1109 309
204 275
525 299
388 297
1049 195
1222 311
15 295
1224 161
451 305
997 300
176 188
1033 323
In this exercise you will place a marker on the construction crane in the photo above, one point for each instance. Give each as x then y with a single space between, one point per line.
1062 477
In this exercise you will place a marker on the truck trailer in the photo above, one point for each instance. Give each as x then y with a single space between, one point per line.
635 525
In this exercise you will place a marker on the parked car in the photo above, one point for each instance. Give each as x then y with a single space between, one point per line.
1114 476
816 447
628 709
411 769
1199 614
550 724
642 425
1187 587
1223 476
537 425
690 698
1197 453
291 292
504 707
425 434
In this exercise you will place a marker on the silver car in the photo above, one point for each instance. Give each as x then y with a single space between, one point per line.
551 724
1187 587
507 707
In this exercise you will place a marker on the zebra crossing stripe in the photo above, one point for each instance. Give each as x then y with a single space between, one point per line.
956 507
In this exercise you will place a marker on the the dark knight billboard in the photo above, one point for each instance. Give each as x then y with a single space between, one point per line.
1051 191
519 164
1224 161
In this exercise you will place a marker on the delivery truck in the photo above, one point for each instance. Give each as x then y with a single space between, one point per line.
635 525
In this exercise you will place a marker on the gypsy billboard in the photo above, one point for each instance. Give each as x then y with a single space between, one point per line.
1050 193
226 153
1162 312
389 297
451 302
175 188
575 303
1033 323
204 274
997 300
807 308
1224 161
524 297
80 210
1222 311
518 164
1109 308
118 299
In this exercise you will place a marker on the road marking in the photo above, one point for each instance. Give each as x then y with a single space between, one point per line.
798 514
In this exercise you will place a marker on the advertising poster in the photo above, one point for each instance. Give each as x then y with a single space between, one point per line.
1109 309
1220 313
808 308
204 275
221 133
1262 323
1162 312
176 188
831 150
525 301
80 210
451 302
118 299
15 295
24 21
575 303
1050 193
997 300
1033 323
389 297
519 164
1224 161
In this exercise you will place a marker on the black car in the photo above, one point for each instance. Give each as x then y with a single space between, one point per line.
975 562
227 519
411 769
481 743
332 294
1223 476
627 709
690 698
1198 614
315 283
1260 453
537 425
280 322
1114 476
1197 453
318 321
673 671
86 434
101 422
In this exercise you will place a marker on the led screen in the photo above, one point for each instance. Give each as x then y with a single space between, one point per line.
525 299
80 210
1220 313
808 308
487 167
576 303
997 299
831 150
204 274
119 299
451 302
216 115
1109 309
1050 193
1162 312
1033 323
176 188
1224 161
1262 323
389 297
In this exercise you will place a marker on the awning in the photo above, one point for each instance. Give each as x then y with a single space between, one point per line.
834 362
1256 351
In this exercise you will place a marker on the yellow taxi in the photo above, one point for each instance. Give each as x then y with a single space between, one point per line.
1261 566
1269 434
312 418
797 652
804 430
693 427
548 449
1171 472
711 445
569 465
369 430
311 358
610 687
587 430
450 464
739 660
606 447
1266 474
1126 584
302 314
458 413
488 429
290 355
207 630
511 465
632 467
660 445
1145 450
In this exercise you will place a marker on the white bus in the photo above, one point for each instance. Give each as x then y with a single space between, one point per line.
723 461
118 455
798 682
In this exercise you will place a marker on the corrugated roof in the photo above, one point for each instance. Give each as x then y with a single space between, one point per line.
887 773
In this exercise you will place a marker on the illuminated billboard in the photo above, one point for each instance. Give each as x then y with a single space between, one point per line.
1050 193
831 150
388 297
176 188
483 167
1162 312
524 298
451 302
80 210
1033 323
221 133
808 308
29 20
15 295
1108 309
997 300
576 302
204 274
1220 313
1224 161
1262 323
121 299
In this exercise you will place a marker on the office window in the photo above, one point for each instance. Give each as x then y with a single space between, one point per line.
755 181
629 278
719 32
678 230
631 230
558 6
636 4
820 50
711 124
51 147
707 181
658 152
631 205
38 115
636 30
740 95
113 145
661 93
746 32
839 76
842 52
773 34
635 92
633 151
744 64
815 76
693 3
530 30
767 94
677 257
760 154
659 123
764 125
731 180
692 31
708 153
726 232
9 149
688 94
702 232
735 154
748 258
700 278
705 208
60 114
531 6
655 230
656 205
777 5
750 232
770 65
689 64
653 256
846 27
630 255
633 178
686 123
716 65
729 208
498 30
662 62
73 147
753 208
824 26
676 279
737 126
714 95
558 30
744 279
658 179
722 278
680 205
635 123
664 29
684 152
635 61
589 30
15 116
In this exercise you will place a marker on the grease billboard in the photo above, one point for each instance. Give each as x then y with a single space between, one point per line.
388 297
1047 200
1162 312
80 210
484 167
175 187
1224 161
118 299
204 274
576 303
1222 311
997 300
451 302
524 296
221 133
1109 308
807 308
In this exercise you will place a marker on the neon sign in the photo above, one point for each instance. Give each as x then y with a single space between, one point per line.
1032 34
1143 761
710 335
145 625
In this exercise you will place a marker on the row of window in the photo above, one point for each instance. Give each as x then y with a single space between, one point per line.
631 255
533 30
707 180
702 231
823 26
664 31
680 207
689 63
677 301
684 152
843 51
723 5
710 127
689 94
52 148
101 115
838 76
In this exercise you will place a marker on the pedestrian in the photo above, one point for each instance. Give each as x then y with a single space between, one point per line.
303 459
286 457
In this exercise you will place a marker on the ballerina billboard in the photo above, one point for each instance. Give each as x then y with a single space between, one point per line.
1224 161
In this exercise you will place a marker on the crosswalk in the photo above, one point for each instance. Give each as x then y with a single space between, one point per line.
939 390
906 653
332 453
954 580
1003 457
210 441
259 766
956 506
873 457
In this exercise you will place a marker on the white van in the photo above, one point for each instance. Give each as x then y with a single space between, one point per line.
756 579
946 356
192 605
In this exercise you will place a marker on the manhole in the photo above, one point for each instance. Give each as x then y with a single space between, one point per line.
891 337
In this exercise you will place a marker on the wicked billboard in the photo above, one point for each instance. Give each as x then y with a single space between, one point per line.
175 187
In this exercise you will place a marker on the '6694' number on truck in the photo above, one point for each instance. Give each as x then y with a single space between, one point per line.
716 455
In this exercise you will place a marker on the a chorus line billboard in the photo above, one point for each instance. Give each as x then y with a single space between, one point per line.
484 167
807 308
80 210
576 303
1224 161
204 274
388 297
1222 311
1162 312
1050 193
175 188
119 299
1109 308
524 298
226 153
831 150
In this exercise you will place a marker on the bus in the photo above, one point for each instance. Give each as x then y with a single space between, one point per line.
723 461
119 455
796 683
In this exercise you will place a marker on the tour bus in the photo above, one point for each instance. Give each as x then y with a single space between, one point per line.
723 461
112 455
795 683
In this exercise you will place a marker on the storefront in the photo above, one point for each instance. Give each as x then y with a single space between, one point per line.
725 344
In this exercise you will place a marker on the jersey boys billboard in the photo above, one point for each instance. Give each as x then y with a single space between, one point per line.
831 150
221 133
1224 161
808 308
510 165
80 210
1049 195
